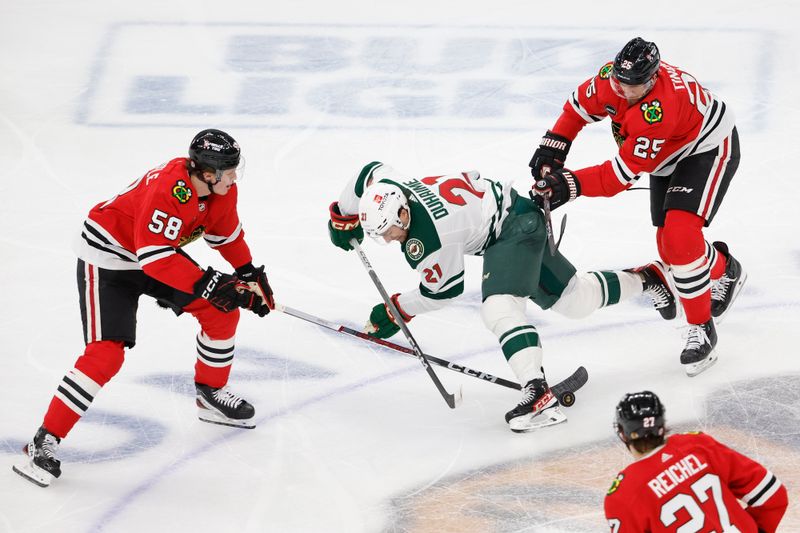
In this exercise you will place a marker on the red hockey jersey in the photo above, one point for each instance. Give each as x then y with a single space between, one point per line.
144 225
676 119
695 484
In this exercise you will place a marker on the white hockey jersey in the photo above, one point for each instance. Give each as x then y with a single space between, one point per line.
451 216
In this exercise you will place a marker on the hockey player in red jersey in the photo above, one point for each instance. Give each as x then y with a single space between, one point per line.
688 482
131 245
668 126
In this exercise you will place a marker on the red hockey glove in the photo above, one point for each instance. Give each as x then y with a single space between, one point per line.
550 156
561 186
342 228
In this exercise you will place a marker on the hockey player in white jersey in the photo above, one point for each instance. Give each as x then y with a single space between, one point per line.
438 220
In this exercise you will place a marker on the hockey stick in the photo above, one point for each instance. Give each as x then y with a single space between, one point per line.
548 224
564 390
453 400
396 347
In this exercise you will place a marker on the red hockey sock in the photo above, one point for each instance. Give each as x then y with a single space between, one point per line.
682 246
99 363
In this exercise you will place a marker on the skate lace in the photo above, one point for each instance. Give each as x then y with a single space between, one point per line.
659 295
719 287
695 337
528 394
227 398
49 447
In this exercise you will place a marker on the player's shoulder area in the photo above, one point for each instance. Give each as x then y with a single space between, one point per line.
624 487
173 183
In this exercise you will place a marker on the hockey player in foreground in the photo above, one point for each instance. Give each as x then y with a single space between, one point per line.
668 126
438 220
686 482
131 246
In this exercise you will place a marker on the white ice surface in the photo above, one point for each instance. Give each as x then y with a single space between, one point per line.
351 438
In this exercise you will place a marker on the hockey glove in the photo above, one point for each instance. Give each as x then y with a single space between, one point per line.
561 186
381 322
550 156
342 228
224 291
258 284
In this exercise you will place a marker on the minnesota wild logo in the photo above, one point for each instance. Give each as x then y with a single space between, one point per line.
181 192
652 111
415 249
605 71
615 484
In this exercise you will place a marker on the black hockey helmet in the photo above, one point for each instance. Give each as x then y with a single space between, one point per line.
214 150
639 415
637 62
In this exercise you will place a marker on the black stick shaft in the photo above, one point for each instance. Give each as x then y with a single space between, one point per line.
484 376
448 397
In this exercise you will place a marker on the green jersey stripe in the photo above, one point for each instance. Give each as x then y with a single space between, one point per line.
515 330
519 343
364 176
452 292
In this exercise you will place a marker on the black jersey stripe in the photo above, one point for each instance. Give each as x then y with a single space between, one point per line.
763 491
105 249
157 251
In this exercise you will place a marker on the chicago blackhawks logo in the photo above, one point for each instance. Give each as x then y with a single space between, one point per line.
615 484
415 249
652 111
605 71
181 192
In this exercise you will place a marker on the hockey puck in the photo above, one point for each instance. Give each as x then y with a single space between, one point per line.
567 399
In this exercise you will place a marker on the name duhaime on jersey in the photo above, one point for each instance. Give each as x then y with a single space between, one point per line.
452 216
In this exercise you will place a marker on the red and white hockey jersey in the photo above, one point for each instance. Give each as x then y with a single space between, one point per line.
676 119
694 483
144 225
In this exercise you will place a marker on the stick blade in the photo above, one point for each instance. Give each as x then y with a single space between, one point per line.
454 400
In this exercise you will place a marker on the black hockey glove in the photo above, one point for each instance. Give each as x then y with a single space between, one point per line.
224 291
550 156
258 284
342 228
561 186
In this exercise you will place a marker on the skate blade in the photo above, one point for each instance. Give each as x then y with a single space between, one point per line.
692 369
549 417
212 417
34 474
736 290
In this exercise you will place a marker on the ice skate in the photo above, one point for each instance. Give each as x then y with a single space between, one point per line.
42 466
655 281
725 289
538 408
699 353
220 406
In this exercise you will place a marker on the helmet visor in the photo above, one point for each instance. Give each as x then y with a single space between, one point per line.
237 171
631 92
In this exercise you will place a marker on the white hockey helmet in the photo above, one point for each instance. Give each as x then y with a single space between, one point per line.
379 209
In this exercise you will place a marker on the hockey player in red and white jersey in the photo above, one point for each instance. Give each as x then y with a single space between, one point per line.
131 245
688 482
670 127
